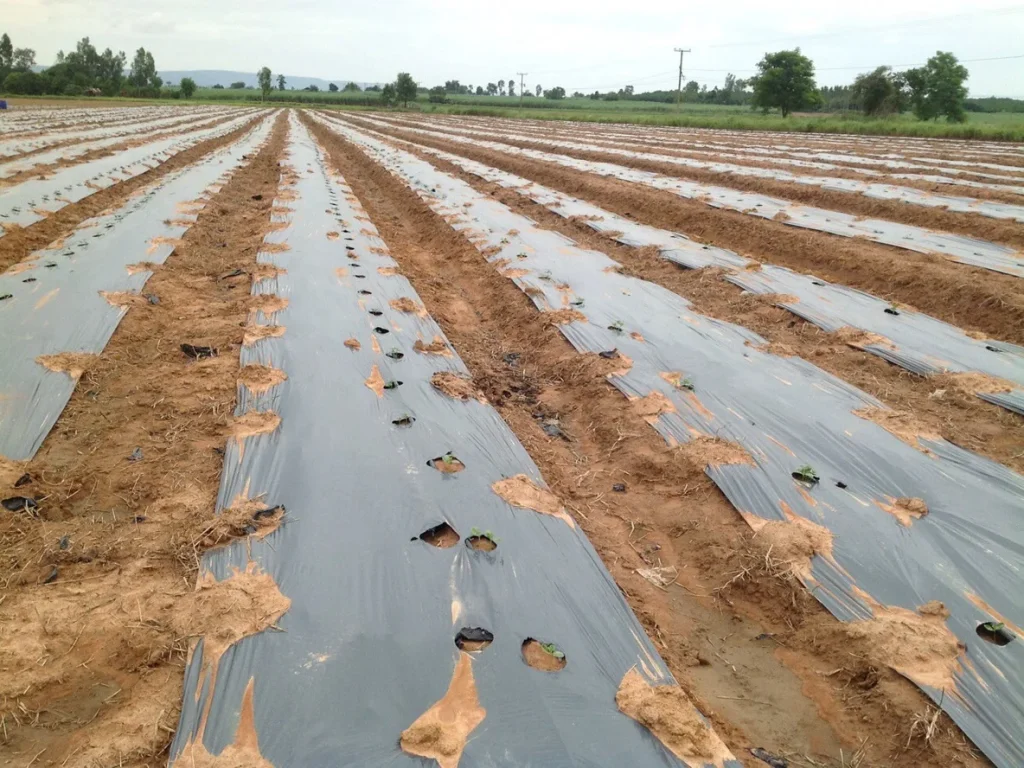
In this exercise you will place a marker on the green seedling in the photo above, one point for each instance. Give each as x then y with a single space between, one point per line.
552 649
687 383
521 255
477 533
994 626
392 384
504 241
616 326
545 275
448 458
807 474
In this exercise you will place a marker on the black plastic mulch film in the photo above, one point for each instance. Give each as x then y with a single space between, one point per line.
799 157
369 641
30 201
879 191
55 301
912 340
967 250
714 379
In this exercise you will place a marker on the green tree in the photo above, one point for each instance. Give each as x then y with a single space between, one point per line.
937 89
24 59
691 90
218 87
352 87
237 86
558 92
405 88
437 95
511 87
880 92
785 80
539 90
26 83
332 88
501 87
6 52
492 89
265 78
187 86
388 95
143 72
281 82
479 90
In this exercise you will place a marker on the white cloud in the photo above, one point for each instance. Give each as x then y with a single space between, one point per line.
577 43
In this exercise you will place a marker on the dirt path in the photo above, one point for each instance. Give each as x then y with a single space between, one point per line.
97 606
19 242
957 415
723 620
973 299
968 224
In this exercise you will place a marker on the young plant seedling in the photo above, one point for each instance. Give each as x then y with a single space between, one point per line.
552 649
392 384
476 532
395 353
687 383
616 326
807 474
545 275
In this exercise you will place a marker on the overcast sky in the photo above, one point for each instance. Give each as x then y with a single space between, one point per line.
578 44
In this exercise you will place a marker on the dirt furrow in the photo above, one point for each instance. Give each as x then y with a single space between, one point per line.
97 598
937 403
129 142
720 618
973 299
968 224
19 242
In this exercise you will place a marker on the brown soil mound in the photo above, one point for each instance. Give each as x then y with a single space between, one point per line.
353 344
899 423
667 712
441 732
253 423
435 347
905 509
74 364
564 317
974 383
917 645
254 333
406 304
243 752
267 303
456 386
790 545
537 657
260 378
651 406
375 381
520 491
714 452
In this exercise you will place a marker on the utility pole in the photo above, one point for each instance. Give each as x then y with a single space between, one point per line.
679 88
521 76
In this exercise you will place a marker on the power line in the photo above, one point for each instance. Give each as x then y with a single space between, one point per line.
679 86
521 76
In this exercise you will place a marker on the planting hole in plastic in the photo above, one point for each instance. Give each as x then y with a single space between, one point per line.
547 657
364 292
376 312
442 536
447 464
473 639
483 542
403 421
394 354
380 330
995 632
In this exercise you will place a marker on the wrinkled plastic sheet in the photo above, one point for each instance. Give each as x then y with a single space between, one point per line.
989 208
911 340
966 250
56 304
31 201
44 132
368 643
822 161
180 123
966 552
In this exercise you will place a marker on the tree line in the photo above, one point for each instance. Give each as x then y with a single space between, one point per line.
85 71
785 81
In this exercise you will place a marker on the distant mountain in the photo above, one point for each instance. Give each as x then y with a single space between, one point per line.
206 78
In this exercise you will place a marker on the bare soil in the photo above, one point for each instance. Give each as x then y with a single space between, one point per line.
754 652
940 408
19 242
97 602
974 299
